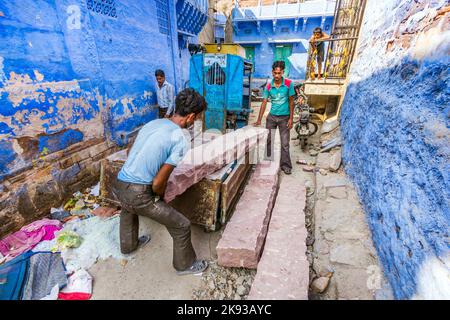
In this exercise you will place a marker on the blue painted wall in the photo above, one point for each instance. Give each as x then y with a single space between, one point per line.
76 70
285 30
396 129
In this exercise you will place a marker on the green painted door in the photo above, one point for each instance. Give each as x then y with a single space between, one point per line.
250 55
283 52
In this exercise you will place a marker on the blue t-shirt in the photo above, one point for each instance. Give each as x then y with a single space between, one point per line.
279 97
158 142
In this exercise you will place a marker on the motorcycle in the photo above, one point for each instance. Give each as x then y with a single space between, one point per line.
257 93
302 116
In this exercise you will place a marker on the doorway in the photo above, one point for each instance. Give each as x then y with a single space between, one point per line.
283 52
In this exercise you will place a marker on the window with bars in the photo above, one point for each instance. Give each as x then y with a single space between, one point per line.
162 12
103 7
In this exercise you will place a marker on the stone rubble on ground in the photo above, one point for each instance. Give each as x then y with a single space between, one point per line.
319 285
224 283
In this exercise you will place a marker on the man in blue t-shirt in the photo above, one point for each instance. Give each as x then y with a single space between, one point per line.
159 147
281 93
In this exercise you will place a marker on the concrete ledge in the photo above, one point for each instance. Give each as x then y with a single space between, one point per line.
283 271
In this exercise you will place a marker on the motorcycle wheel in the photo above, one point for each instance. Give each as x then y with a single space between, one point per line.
315 127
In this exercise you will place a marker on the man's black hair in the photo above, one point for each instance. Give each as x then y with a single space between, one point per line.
189 101
159 73
278 64
318 29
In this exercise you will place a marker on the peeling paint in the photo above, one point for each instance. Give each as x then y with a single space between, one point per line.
2 71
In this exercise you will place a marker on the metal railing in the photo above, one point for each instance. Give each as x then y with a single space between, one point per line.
341 48
337 58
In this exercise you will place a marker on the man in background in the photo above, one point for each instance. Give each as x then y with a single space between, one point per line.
318 46
165 94
281 93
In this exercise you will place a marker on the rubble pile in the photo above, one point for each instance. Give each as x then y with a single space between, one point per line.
224 283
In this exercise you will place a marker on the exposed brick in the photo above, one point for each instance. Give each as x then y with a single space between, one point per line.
243 239
97 149
283 271
31 192
25 206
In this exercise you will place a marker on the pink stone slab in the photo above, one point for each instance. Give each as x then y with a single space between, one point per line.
283 271
243 239
207 158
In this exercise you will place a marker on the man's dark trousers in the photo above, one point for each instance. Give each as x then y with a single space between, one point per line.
140 200
162 112
272 123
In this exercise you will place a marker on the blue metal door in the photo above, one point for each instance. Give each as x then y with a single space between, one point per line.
235 80
196 73
215 80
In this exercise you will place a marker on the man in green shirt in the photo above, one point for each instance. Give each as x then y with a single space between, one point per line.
281 93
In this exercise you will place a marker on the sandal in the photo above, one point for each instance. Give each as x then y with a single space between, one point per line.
197 267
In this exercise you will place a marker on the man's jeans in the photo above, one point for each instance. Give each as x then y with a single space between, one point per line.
280 122
140 200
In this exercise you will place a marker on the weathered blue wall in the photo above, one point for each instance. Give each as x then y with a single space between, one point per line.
396 128
70 74
76 80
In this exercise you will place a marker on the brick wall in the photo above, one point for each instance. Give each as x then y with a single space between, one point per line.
53 179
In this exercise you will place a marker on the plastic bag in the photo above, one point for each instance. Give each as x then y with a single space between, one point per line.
67 239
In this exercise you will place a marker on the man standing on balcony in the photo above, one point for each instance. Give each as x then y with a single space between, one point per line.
281 93
165 94
318 51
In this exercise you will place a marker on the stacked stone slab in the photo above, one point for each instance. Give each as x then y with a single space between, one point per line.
283 271
207 158
243 239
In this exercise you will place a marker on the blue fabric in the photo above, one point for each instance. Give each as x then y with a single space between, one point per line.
279 97
45 271
158 142
166 97
13 276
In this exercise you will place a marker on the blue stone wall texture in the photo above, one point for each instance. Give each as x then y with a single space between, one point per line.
285 30
396 129
76 80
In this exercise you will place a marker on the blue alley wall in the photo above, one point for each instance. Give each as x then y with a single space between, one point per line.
395 124
75 70
285 30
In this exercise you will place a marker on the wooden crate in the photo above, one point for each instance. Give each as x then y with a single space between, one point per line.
208 203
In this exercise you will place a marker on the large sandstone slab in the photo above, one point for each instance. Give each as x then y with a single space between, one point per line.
243 239
207 158
283 271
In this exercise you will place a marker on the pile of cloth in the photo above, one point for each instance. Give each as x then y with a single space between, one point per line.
48 258
28 237
42 276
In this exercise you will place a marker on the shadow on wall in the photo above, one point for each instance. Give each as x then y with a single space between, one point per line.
396 133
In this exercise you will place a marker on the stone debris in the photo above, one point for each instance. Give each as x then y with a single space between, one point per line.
335 159
337 193
319 285
224 283
309 169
